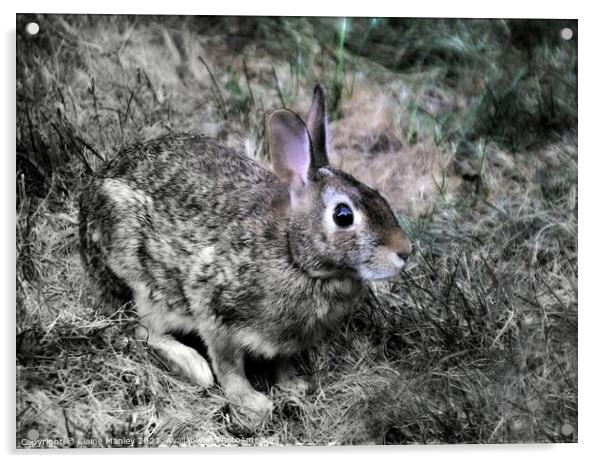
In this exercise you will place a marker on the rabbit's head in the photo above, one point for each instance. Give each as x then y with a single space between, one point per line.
337 225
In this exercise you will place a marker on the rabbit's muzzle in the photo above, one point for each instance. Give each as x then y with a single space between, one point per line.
386 261
402 248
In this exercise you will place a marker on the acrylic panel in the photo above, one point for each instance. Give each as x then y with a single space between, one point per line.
278 231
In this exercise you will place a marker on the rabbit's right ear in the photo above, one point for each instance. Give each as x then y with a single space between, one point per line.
317 125
290 148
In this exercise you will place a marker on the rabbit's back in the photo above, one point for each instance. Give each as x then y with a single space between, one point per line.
160 208
194 176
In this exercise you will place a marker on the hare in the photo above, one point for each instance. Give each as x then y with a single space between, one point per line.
206 241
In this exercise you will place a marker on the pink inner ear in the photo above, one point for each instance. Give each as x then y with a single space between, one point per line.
290 147
297 154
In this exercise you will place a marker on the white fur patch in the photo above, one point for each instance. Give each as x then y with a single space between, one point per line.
206 255
398 262
121 193
332 198
374 275
96 235
386 264
325 171
254 342
184 358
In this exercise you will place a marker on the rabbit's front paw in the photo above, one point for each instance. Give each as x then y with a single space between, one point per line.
295 384
288 379
256 402
251 411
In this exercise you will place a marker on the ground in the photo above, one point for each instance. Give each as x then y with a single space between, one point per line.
475 343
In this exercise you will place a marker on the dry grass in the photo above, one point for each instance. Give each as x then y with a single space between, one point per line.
477 342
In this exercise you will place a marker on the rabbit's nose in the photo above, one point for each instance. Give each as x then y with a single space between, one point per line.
403 249
403 255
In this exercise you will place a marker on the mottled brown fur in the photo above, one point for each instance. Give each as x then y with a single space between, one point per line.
206 241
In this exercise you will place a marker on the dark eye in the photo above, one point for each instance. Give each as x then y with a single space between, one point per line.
343 216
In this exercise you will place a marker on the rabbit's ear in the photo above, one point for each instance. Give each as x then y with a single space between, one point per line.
290 147
317 124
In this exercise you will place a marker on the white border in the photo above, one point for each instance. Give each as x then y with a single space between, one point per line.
590 77
426 8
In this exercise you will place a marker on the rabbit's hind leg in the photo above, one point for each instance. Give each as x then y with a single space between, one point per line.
111 291
154 328
229 364
185 359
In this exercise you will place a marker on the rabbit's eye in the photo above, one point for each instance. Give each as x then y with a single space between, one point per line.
343 216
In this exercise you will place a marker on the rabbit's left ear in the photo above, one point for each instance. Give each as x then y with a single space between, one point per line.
317 125
290 147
